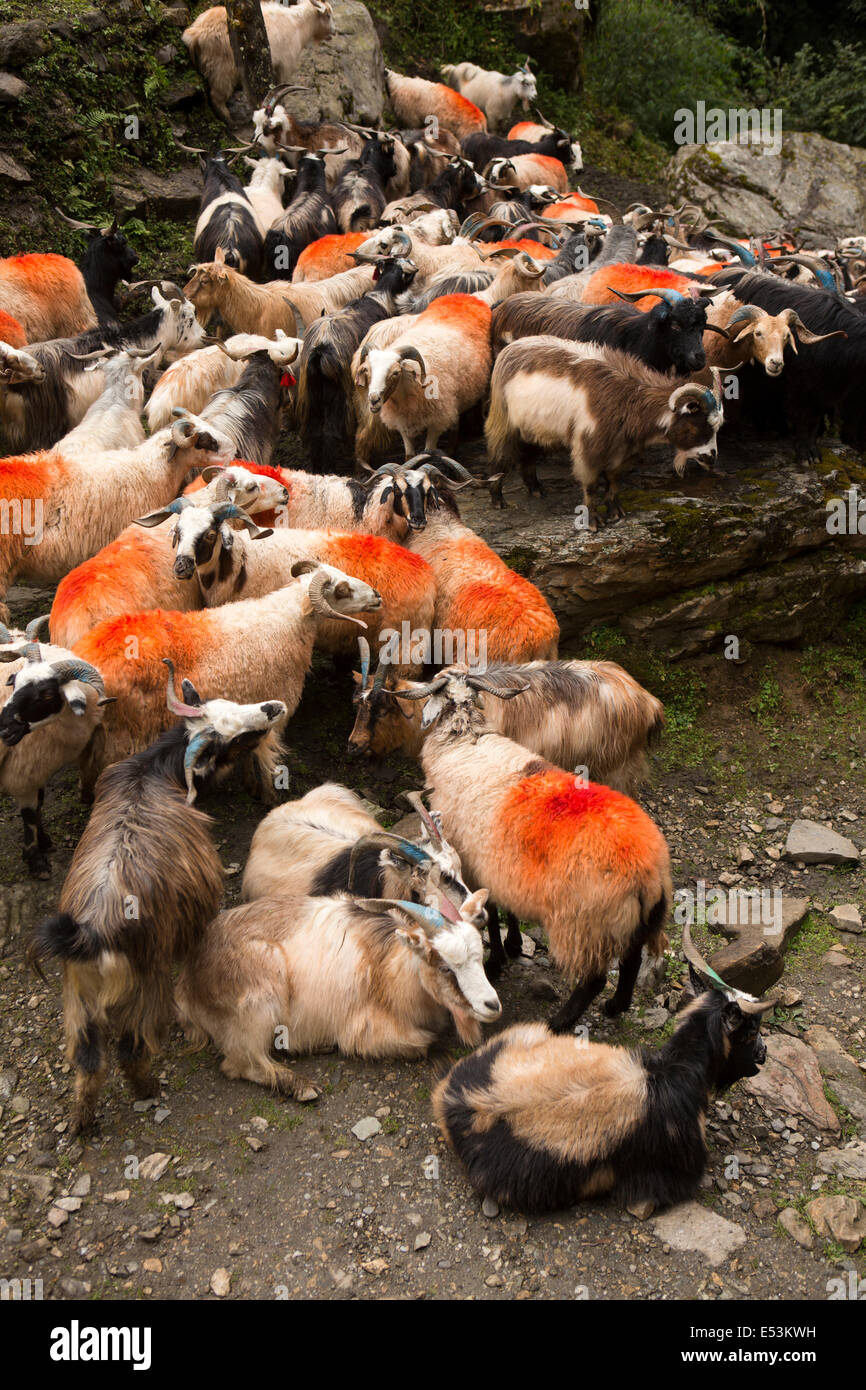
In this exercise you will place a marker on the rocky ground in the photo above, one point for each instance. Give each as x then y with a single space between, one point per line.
217 1190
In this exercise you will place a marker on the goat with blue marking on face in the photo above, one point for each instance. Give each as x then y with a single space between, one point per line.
375 977
144 881
540 1122
50 704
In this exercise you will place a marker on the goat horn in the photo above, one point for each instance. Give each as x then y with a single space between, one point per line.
746 311
32 629
441 461
75 670
805 334
485 683
73 222
668 295
412 854
5 634
29 649
321 604
416 801
423 692
364 649
429 918
175 705
411 354
194 750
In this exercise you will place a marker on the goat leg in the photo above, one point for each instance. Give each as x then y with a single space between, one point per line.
565 1018
513 942
134 1062
89 1058
620 1000
497 958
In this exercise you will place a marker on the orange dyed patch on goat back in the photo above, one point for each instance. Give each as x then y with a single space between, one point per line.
119 578
517 621
532 248
397 573
626 277
552 816
128 650
461 311
44 272
464 110
11 331
569 203
330 254
517 132
28 476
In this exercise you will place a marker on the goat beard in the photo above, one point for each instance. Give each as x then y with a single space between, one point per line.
468 1027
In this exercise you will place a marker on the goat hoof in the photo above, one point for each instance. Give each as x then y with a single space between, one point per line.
38 866
612 1009
559 1023
514 949
308 1093
83 1122
493 968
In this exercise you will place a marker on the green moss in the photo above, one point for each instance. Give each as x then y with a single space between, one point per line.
521 559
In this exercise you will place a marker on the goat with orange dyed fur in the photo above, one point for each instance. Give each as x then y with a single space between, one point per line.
476 592
414 100
601 286
248 651
46 295
430 374
583 861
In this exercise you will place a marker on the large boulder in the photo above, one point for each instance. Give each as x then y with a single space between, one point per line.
812 186
346 75
744 550
552 32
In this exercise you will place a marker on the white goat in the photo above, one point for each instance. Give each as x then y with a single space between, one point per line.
495 93
289 30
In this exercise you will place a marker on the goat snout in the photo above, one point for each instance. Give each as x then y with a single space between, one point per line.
184 567
774 365
273 709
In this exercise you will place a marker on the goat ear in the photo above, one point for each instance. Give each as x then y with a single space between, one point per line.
153 518
415 940
696 985
303 567
190 694
432 710
356 677
732 1016
475 903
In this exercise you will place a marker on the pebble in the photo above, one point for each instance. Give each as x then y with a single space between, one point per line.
154 1166
221 1282
422 1240
791 1221
490 1207
366 1128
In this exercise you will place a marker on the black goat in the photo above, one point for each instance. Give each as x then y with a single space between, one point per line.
250 411
540 1123
669 337
108 258
325 390
829 380
310 215
456 185
358 196
481 148
226 218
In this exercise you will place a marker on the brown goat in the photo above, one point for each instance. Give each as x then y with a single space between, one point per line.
144 882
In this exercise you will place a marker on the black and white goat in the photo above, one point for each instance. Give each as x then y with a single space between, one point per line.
310 215
227 219
359 194
540 1123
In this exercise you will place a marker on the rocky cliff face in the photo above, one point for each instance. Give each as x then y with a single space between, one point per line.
812 186
743 551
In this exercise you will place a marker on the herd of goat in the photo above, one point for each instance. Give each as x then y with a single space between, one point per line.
368 289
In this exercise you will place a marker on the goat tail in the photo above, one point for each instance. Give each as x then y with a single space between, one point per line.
62 937
653 920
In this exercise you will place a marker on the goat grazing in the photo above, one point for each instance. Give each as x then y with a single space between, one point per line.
50 705
144 881
583 861
606 408
540 1124
375 977
289 31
